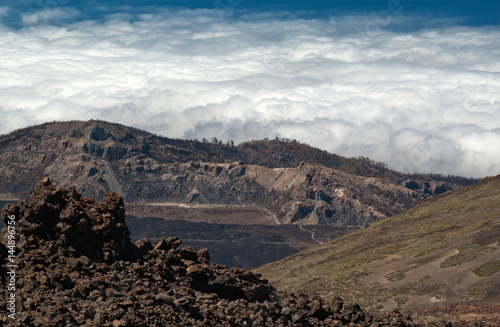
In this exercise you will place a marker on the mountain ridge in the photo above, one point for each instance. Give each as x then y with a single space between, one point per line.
98 156
272 153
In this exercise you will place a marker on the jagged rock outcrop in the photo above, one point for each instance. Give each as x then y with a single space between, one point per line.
76 266
297 183
55 220
306 194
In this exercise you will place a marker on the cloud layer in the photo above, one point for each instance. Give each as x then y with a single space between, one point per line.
420 101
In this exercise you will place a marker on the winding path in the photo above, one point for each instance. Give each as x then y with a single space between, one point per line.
312 234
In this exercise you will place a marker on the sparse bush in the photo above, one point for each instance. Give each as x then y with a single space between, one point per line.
395 276
477 293
466 252
487 269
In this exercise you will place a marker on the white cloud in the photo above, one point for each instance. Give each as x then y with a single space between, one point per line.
49 15
424 101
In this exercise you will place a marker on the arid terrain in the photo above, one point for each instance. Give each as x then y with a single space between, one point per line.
257 240
198 188
79 267
317 222
204 213
442 254
295 182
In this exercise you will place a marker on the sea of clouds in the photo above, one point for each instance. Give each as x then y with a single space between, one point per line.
424 100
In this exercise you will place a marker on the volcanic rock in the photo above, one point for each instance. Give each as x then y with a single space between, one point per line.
76 266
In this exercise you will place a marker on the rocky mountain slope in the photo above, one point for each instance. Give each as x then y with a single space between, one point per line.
75 265
443 252
297 183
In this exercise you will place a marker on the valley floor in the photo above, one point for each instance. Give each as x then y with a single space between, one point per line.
237 236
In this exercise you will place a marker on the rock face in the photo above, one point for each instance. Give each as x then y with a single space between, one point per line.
297 183
76 266
55 220
306 194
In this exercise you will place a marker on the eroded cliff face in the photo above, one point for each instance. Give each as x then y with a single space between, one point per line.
76 266
97 157
306 194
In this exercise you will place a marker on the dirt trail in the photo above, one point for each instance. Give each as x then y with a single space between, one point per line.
312 234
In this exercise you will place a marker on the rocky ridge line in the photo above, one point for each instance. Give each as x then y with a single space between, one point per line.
77 267
297 183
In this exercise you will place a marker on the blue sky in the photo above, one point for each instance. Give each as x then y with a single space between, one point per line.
413 84
471 13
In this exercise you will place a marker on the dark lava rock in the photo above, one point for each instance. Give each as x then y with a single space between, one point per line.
76 266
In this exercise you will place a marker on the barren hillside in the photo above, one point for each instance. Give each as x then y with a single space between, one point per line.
443 251
295 182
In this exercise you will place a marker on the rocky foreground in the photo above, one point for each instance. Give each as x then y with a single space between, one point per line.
76 266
